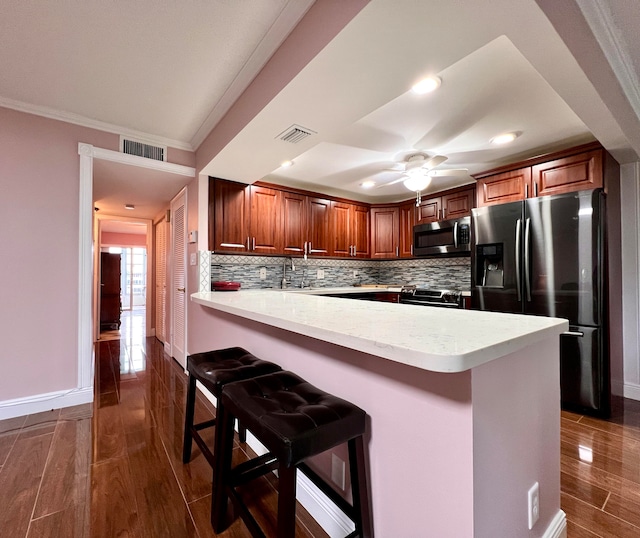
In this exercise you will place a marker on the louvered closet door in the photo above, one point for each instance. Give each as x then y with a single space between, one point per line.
161 280
179 280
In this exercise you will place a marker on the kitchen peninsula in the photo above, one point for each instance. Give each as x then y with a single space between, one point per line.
464 406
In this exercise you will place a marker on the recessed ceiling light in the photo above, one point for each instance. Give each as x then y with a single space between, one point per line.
426 85
286 164
129 206
504 138
367 184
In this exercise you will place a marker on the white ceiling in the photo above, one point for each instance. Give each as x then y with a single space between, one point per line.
169 71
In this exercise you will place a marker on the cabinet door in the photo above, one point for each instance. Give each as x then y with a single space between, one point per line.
266 220
505 187
407 221
458 204
578 172
295 216
319 227
429 210
360 231
340 229
230 205
385 232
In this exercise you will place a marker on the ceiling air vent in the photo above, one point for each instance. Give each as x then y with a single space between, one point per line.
142 149
295 134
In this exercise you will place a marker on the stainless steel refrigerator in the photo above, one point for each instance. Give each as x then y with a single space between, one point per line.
546 256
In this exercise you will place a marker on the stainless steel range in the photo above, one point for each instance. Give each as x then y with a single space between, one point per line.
427 297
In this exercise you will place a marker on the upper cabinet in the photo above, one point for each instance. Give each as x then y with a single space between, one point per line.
349 230
570 170
392 230
306 224
574 173
449 205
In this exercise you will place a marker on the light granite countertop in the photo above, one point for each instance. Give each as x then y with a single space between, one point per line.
431 338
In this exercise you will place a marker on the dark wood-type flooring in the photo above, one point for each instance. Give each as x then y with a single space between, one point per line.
115 470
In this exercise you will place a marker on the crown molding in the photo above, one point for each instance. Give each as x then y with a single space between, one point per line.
76 119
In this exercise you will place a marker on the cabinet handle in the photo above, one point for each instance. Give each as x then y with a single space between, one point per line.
304 248
443 212
248 247
397 252
309 249
412 250
535 189
253 244
526 191
234 245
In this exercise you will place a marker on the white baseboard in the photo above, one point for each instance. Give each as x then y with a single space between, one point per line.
45 402
631 390
558 526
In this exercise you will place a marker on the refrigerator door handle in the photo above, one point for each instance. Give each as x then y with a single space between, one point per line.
579 334
518 223
527 261
455 234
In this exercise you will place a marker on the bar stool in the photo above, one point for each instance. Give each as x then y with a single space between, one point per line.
214 369
294 420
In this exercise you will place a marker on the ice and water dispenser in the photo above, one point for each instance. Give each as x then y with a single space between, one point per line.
490 265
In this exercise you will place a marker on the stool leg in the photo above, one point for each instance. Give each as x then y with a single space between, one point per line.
188 419
223 453
286 501
242 433
359 488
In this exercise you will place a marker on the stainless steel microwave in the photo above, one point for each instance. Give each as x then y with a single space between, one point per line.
443 238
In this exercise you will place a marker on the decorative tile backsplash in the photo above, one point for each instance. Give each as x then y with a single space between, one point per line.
436 273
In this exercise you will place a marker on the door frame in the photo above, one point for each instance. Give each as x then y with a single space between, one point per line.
87 315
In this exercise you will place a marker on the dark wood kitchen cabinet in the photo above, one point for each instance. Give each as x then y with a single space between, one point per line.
110 303
407 222
449 205
349 230
573 173
244 218
265 218
229 207
504 187
306 224
569 170
385 232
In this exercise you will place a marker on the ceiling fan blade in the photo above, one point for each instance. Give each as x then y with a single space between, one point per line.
397 167
436 160
451 172
400 179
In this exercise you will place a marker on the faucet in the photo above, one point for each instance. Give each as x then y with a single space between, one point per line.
284 271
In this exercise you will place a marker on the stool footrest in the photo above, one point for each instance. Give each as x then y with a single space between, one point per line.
206 451
204 425
253 468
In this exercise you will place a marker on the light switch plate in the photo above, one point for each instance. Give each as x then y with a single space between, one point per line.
192 258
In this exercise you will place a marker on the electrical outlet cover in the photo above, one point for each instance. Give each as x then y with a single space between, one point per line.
533 498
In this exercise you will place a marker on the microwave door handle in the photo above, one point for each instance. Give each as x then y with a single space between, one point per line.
527 258
455 234
518 223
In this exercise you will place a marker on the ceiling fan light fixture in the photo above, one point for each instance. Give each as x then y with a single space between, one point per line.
426 85
504 138
417 182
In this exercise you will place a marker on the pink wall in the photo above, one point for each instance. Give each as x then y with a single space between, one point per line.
39 171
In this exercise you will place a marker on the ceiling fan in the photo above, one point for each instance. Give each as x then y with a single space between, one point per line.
418 169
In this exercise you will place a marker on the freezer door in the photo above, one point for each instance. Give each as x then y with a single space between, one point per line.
563 257
495 257
584 375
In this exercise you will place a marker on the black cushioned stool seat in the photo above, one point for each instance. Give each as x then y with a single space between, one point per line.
214 369
294 420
